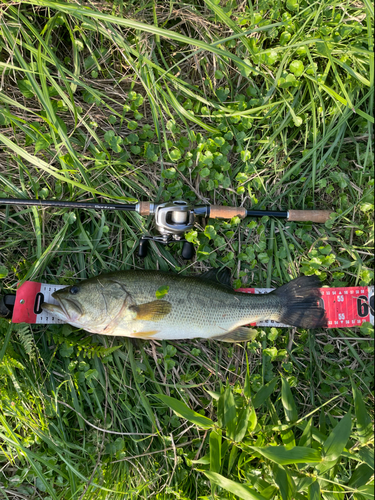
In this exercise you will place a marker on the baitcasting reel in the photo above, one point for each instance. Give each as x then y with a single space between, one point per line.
172 220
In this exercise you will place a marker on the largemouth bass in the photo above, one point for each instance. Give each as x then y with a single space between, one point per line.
125 303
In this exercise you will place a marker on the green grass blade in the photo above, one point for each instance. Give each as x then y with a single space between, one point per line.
184 411
282 456
337 440
237 489
364 423
287 399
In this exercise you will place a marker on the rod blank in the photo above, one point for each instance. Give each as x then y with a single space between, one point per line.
66 204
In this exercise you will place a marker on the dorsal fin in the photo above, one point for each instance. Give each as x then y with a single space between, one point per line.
221 276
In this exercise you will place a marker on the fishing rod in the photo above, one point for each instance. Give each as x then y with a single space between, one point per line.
173 219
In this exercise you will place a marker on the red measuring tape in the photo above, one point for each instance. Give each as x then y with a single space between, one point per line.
345 306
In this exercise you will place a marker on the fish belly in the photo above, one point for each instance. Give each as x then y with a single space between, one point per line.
157 331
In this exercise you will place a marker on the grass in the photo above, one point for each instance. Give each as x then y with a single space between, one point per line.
261 104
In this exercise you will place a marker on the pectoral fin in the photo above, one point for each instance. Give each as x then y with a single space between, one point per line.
152 311
241 334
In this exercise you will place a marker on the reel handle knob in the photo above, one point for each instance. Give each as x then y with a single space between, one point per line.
142 249
187 250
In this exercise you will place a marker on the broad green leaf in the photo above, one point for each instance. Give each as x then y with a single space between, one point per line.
227 412
364 424
175 154
305 439
232 458
3 119
367 491
109 135
204 460
285 37
292 5
215 451
253 420
115 144
334 492
322 422
360 476
66 350
270 492
289 81
209 232
288 438
62 124
335 443
367 455
287 399
313 492
297 67
43 142
184 411
285 482
26 88
214 395
242 421
247 386
162 291
241 490
69 217
3 272
264 393
282 456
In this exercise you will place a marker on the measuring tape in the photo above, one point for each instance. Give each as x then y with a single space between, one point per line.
345 306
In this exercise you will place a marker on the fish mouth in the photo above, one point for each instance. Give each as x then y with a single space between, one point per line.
56 310
66 309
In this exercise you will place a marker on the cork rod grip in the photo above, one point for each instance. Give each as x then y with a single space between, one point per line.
309 215
218 212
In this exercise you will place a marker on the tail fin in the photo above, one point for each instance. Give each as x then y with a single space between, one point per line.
300 303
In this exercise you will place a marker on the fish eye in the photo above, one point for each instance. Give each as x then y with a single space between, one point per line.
74 290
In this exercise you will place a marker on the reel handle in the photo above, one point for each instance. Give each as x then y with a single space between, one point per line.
187 247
